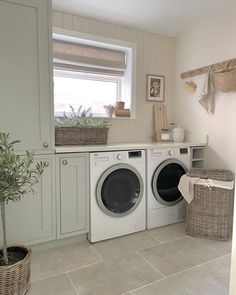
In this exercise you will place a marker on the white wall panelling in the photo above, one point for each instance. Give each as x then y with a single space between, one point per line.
155 55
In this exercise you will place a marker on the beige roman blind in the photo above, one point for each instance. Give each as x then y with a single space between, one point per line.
87 58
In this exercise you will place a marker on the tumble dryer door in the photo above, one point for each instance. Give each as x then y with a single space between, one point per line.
119 190
165 182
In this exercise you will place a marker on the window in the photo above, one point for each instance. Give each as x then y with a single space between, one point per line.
91 74
75 89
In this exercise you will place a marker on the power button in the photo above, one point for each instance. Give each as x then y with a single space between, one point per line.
171 153
119 157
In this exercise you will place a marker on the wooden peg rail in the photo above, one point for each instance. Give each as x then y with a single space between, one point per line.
216 67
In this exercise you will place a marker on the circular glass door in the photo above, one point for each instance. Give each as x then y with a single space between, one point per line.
119 190
165 182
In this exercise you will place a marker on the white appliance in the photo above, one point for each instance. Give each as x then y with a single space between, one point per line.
165 204
117 194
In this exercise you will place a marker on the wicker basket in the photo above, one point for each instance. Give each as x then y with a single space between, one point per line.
225 80
210 214
15 279
81 136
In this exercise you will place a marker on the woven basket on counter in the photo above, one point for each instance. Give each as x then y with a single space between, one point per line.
210 214
225 80
81 136
15 278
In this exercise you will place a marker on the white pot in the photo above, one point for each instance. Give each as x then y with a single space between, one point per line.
178 134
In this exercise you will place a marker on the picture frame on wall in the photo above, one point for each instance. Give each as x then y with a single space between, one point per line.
155 87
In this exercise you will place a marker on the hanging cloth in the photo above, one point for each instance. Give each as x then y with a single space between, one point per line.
208 93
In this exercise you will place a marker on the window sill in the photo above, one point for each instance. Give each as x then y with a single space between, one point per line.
120 118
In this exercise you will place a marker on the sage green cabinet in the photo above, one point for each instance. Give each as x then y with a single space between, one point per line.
32 220
25 73
72 194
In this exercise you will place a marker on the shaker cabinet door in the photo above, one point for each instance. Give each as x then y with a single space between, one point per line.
73 195
32 220
25 86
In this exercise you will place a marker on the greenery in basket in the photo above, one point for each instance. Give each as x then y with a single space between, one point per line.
81 118
17 176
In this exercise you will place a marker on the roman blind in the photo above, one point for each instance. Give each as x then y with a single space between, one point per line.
88 58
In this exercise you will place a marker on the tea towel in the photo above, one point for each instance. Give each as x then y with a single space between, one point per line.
208 93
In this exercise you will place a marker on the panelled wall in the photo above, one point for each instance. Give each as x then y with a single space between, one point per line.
155 55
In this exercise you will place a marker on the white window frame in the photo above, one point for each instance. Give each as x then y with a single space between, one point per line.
129 91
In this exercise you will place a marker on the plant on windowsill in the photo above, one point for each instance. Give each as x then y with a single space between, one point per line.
17 177
80 128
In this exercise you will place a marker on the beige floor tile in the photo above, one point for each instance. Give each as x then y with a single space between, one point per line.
178 255
226 261
221 247
114 276
119 246
58 260
210 278
169 233
58 285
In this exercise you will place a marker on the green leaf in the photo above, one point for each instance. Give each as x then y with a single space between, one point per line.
81 118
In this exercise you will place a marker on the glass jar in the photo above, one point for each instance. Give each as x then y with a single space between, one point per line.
165 135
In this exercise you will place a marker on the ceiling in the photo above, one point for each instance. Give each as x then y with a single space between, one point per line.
166 17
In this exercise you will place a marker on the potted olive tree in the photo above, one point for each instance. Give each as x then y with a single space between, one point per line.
17 176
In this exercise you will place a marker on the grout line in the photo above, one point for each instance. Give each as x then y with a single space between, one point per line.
84 266
48 277
166 242
180 272
96 252
146 285
73 285
213 250
198 265
149 263
64 272
155 238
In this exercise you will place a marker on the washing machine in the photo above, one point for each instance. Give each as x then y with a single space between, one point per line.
165 204
117 194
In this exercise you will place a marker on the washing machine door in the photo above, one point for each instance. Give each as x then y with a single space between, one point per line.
165 182
119 190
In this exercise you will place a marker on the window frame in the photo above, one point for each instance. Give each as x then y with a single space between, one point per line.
129 91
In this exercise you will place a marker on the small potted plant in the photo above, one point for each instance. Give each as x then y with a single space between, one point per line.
17 176
80 128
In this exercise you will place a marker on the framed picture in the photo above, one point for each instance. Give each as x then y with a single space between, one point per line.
155 87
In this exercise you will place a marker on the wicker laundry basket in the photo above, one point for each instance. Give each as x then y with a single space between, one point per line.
210 214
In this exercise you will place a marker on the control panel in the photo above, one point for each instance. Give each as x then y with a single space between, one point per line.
135 154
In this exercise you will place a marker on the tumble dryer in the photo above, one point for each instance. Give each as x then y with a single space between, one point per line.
165 204
117 194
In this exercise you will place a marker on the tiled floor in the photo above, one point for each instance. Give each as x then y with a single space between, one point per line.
161 261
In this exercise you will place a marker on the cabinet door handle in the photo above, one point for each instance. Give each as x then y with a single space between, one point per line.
64 162
45 145
46 164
